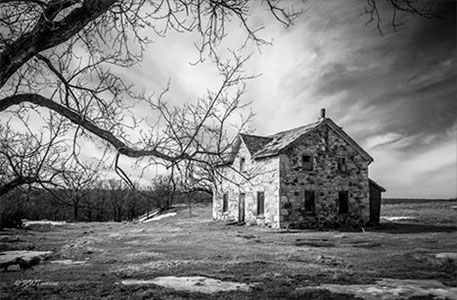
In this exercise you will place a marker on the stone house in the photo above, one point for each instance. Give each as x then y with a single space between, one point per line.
311 176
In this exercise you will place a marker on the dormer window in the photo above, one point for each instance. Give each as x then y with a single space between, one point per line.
342 166
307 162
242 164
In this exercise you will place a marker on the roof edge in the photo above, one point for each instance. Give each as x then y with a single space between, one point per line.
242 137
345 136
371 181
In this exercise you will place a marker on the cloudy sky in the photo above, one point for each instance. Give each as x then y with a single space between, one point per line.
395 93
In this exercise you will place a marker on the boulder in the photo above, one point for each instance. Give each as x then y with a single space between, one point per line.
24 259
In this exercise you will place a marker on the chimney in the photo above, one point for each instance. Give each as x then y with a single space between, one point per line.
322 117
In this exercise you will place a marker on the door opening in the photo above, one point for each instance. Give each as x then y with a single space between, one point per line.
241 208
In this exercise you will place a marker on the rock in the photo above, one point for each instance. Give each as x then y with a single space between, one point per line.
284 212
9 238
24 259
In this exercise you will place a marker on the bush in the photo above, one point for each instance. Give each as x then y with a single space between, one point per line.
12 209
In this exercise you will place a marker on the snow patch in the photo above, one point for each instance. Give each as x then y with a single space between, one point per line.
394 289
399 218
68 262
192 284
160 217
447 255
28 223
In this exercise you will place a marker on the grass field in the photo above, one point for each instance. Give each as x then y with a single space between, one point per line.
412 259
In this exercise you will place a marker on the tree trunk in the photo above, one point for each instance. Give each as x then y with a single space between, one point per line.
189 201
76 209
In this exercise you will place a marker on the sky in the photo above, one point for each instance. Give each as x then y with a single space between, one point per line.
394 93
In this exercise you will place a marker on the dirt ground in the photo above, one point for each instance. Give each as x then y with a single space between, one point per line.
415 260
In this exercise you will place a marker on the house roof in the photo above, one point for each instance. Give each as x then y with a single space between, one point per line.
372 182
339 130
255 143
266 146
282 139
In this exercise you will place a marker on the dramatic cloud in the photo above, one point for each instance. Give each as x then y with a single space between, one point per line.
394 93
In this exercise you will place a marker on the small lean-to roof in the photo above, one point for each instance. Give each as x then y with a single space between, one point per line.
373 183
254 143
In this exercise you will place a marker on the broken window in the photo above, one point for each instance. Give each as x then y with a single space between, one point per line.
342 167
260 203
309 201
343 202
225 203
242 164
307 162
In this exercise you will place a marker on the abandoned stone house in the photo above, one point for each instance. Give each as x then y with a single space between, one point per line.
311 176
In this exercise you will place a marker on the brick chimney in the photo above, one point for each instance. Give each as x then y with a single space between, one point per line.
322 116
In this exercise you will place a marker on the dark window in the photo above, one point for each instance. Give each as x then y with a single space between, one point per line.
343 202
260 203
309 201
225 202
241 207
342 167
242 164
307 162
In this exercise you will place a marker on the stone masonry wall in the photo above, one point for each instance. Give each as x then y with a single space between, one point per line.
260 176
325 180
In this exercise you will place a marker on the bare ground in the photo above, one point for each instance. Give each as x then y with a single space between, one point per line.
92 260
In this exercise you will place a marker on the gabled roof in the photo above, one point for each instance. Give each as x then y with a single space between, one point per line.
348 139
282 139
261 147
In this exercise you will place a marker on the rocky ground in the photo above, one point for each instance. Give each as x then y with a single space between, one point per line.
192 257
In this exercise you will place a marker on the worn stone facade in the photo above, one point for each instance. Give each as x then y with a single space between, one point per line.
325 180
259 176
319 179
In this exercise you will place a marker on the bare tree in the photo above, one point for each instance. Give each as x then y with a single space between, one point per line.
393 8
96 203
58 54
78 181
32 158
40 42
118 195
29 159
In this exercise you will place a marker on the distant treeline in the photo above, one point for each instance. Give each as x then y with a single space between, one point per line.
108 203
411 200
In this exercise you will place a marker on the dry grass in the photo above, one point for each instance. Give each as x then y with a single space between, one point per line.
283 264
425 212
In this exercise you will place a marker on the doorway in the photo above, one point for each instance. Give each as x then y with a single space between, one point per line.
343 202
241 207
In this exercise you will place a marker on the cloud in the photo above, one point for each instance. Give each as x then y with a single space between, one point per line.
395 94
430 173
389 139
